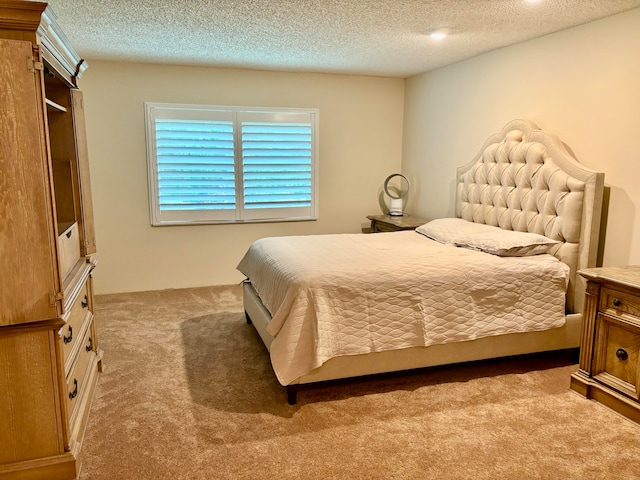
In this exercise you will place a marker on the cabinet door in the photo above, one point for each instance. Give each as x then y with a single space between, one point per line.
31 424
29 277
618 353
86 204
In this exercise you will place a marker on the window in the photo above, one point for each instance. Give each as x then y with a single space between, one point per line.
210 164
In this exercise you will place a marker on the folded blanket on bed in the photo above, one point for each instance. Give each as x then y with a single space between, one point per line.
334 295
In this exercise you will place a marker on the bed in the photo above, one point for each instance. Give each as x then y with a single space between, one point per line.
499 279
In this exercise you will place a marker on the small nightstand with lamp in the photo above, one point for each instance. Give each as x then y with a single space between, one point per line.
396 219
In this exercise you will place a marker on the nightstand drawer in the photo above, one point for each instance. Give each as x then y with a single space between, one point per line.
384 227
618 354
620 302
388 223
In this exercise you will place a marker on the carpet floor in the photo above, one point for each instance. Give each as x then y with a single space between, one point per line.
187 392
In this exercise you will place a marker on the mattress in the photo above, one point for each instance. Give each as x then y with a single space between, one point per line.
350 294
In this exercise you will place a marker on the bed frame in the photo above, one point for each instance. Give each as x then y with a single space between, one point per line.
522 179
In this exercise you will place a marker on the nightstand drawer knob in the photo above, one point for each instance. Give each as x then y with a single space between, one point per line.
617 302
622 354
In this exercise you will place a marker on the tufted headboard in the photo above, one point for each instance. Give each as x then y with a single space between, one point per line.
526 179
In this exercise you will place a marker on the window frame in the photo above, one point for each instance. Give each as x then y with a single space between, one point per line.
240 214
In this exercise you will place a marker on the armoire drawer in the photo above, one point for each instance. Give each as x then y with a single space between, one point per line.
68 248
76 323
618 354
76 381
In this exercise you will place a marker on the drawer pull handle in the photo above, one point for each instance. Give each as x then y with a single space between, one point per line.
622 354
90 346
70 337
617 302
74 394
85 302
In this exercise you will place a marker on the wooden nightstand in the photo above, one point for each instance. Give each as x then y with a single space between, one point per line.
609 370
388 223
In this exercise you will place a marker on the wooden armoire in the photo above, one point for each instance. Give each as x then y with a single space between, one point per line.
49 355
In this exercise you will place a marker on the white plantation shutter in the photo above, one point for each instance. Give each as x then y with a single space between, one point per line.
277 165
220 164
195 165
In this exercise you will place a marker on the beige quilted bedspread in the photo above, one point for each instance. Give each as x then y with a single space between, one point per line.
334 295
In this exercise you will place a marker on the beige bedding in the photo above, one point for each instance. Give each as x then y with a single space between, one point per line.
349 294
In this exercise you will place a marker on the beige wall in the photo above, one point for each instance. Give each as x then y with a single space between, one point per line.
360 144
582 84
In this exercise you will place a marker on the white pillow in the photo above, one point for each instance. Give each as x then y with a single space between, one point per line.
486 238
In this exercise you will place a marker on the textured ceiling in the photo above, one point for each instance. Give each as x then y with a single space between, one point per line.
369 37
